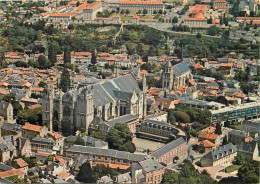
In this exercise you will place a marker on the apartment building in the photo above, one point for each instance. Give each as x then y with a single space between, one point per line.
61 17
222 156
220 4
89 11
166 154
104 155
80 58
237 113
139 6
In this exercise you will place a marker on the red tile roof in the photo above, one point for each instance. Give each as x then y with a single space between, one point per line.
142 2
32 127
20 162
12 172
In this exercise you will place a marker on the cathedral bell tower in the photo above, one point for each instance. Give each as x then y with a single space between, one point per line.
47 107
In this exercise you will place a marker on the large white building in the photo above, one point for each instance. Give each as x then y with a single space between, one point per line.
139 6
89 11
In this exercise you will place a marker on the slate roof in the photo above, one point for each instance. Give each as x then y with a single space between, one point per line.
180 68
150 165
168 147
250 126
247 147
221 152
106 152
122 119
11 127
42 140
238 133
5 167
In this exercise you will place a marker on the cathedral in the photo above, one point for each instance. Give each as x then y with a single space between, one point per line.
173 77
107 100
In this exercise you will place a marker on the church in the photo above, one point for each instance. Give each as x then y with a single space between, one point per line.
110 99
175 76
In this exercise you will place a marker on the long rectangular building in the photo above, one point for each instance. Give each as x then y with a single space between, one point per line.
105 155
237 112
139 6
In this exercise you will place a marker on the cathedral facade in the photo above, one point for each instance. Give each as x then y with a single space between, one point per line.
77 108
175 76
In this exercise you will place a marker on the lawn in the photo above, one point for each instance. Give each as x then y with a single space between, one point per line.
123 18
232 168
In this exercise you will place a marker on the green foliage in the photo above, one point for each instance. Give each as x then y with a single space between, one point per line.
188 174
249 172
214 30
52 52
239 159
152 37
33 116
85 174
42 84
42 62
67 57
10 98
120 138
218 129
97 135
145 11
181 117
65 80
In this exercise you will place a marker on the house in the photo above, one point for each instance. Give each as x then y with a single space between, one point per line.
89 11
42 157
30 131
251 127
222 156
81 58
167 153
59 141
14 172
236 137
214 138
147 171
20 163
6 110
105 180
11 129
23 147
249 150
124 178
7 148
205 146
42 144
91 141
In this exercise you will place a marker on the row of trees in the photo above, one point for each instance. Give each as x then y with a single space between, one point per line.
188 174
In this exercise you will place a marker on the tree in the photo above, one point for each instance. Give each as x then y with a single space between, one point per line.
198 35
67 56
93 58
127 11
139 49
175 20
213 30
225 141
160 12
139 12
33 116
218 129
42 61
120 138
181 117
65 80
85 174
123 12
249 172
52 52
145 11
239 159
154 12
42 84
170 177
